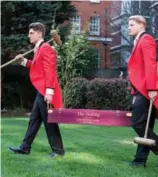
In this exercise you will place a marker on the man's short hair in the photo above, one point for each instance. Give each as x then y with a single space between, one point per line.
37 26
138 19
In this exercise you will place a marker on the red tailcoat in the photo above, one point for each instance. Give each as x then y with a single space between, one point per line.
43 73
142 66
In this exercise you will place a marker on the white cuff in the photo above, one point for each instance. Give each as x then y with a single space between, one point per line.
24 62
49 91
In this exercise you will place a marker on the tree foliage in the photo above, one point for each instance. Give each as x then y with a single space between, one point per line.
17 15
74 57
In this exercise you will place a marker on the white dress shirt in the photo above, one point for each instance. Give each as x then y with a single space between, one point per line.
24 62
38 44
137 37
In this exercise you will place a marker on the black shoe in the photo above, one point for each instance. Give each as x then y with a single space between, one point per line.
53 154
155 149
19 150
136 163
155 152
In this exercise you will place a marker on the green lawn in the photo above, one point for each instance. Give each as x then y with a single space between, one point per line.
90 152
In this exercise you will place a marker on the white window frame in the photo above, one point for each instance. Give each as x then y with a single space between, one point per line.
95 1
76 24
153 24
94 25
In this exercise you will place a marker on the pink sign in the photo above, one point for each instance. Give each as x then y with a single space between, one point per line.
90 117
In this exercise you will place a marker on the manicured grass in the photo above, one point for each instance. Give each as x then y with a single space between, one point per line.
90 152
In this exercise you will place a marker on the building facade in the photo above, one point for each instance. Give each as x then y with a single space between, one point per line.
93 13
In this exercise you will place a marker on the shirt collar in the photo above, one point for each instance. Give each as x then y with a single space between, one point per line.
38 43
138 35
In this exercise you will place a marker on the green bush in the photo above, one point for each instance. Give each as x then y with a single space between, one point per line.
75 93
109 94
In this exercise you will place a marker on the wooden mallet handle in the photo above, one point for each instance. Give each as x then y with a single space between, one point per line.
15 59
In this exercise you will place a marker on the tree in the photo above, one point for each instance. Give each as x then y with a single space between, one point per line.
74 57
17 15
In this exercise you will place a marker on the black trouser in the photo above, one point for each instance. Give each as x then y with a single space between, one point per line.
139 118
39 114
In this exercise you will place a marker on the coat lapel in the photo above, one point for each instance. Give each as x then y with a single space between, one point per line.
135 46
35 56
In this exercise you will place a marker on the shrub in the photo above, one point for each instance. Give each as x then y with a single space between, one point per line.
75 93
108 94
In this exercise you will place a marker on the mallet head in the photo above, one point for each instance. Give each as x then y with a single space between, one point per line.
144 141
56 37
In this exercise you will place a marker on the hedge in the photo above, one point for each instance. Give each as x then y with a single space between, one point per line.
108 94
75 93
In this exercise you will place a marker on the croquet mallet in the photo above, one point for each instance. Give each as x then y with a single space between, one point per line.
144 140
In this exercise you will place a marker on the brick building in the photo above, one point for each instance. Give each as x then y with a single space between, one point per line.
93 11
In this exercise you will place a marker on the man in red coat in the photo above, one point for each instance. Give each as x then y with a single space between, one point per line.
44 79
142 72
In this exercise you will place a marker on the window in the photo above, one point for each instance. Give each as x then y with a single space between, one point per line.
95 25
155 25
76 24
95 1
95 57
98 57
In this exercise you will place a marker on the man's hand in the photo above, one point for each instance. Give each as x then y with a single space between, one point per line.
20 60
152 94
48 98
